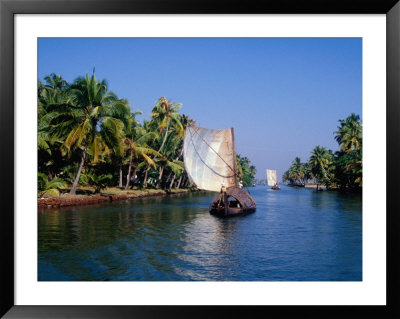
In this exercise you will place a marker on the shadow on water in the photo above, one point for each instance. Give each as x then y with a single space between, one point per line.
295 235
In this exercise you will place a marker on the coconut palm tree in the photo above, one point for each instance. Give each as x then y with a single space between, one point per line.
94 115
245 171
298 172
185 121
118 158
349 160
174 144
49 187
165 114
55 82
165 118
349 134
52 96
239 169
319 161
137 146
285 177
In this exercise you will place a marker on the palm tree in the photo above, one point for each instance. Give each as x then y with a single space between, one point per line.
117 159
285 177
298 172
319 161
173 142
55 82
349 137
239 169
244 170
164 117
139 150
349 134
94 115
165 114
50 187
185 121
52 96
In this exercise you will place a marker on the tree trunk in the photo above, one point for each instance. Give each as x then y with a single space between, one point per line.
179 182
134 174
172 182
159 150
169 177
128 176
145 177
160 176
78 175
325 173
180 154
120 176
186 182
163 142
173 178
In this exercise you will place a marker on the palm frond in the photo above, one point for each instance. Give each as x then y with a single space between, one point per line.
176 167
149 160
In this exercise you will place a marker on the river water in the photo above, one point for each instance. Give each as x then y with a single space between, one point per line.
296 234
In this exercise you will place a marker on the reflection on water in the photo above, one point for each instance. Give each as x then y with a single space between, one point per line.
295 235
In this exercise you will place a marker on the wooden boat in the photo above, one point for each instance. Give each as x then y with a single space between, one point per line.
272 179
234 201
210 162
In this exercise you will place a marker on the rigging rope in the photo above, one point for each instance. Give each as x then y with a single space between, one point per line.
248 190
194 147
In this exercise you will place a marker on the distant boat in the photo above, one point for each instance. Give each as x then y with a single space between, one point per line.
272 179
210 162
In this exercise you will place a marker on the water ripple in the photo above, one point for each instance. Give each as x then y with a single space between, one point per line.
295 235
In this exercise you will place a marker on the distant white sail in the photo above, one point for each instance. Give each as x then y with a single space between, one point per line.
272 178
209 157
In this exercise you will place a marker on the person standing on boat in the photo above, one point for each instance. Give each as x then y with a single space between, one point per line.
221 201
223 188
224 198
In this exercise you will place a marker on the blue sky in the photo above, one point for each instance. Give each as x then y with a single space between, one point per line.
283 96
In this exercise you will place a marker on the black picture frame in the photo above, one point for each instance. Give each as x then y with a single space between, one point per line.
8 8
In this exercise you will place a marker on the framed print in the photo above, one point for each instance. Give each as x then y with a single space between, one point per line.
197 159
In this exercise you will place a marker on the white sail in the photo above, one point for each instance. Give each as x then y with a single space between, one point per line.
272 178
209 157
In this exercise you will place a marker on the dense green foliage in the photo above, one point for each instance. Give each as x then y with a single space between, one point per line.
339 170
88 136
246 171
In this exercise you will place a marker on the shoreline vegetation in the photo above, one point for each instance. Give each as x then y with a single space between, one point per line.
341 170
312 186
92 148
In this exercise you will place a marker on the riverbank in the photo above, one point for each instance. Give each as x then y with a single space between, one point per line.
314 186
86 196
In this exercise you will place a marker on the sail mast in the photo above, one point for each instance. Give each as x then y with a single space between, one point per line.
234 156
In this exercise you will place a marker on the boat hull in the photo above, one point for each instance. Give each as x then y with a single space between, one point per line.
235 201
231 212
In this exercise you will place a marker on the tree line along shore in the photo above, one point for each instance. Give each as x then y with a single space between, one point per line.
90 144
341 170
